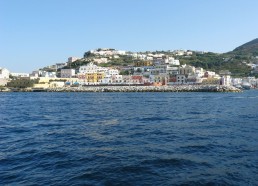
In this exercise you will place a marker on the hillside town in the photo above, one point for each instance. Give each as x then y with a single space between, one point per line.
149 69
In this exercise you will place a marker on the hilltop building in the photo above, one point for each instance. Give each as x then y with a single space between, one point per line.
107 52
72 59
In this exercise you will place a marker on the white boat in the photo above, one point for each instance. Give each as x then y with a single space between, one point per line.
246 85
238 86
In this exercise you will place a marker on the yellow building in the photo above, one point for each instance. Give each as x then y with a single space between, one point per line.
143 63
45 82
95 77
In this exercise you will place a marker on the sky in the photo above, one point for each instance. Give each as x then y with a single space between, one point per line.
38 33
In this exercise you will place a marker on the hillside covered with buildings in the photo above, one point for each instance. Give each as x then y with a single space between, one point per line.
107 66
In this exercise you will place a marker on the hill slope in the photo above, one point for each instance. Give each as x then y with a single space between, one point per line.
234 61
249 49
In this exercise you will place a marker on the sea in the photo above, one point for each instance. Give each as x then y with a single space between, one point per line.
131 138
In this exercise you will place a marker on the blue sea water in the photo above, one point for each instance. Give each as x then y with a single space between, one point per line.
129 138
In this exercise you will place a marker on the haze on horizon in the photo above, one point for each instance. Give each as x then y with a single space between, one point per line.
34 34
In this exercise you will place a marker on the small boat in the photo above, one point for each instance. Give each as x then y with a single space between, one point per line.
238 86
38 90
246 86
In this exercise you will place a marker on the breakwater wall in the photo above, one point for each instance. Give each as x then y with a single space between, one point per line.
178 88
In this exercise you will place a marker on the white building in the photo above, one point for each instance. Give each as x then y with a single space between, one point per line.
172 61
225 80
55 84
112 79
4 76
91 68
199 72
172 70
100 60
107 52
119 52
112 72
67 73
179 52
250 80
236 81
189 53
107 79
194 79
160 55
4 73
117 79
158 69
134 55
111 76
48 74
141 56
20 74
150 58
209 74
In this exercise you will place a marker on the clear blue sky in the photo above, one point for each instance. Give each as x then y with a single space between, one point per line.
37 33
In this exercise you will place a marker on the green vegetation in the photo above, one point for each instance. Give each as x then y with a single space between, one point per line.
88 54
1 88
125 72
22 83
216 62
121 61
80 62
248 49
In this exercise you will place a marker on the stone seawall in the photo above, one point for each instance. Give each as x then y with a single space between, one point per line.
178 88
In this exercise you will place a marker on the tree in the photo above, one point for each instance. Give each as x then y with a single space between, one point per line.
2 88
88 54
22 83
138 70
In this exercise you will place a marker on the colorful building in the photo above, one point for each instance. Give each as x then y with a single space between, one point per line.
143 63
94 78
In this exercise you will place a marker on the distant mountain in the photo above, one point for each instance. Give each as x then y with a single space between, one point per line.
250 48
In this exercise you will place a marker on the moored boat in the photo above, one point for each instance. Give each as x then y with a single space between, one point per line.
246 85
38 90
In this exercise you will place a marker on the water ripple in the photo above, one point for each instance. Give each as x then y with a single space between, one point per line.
128 139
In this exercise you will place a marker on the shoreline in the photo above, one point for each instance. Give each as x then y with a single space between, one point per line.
176 88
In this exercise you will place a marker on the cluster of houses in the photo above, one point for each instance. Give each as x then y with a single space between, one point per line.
148 69
160 71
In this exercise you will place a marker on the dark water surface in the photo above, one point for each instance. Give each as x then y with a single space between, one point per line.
129 138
